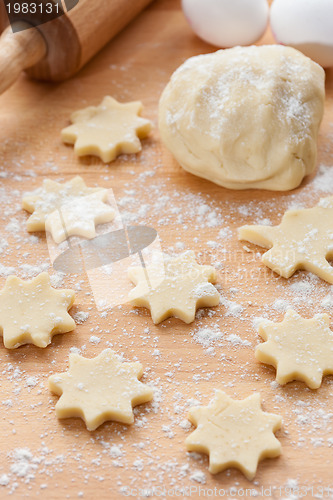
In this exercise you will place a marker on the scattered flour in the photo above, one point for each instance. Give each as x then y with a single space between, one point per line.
207 336
199 477
187 218
80 317
236 340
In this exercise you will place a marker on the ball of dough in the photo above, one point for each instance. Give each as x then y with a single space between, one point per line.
246 117
306 26
226 23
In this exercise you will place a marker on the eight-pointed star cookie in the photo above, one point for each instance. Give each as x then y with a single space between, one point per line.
178 289
107 130
299 348
31 312
234 433
303 240
99 389
67 209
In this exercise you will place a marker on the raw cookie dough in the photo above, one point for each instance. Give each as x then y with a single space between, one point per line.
246 117
67 209
107 130
99 389
31 312
299 348
234 433
180 288
303 240
79 218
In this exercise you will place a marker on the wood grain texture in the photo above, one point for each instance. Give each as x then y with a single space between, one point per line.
18 52
97 22
188 213
74 38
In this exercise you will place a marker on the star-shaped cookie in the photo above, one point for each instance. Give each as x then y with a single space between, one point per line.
31 312
178 289
107 130
299 348
303 240
234 433
80 217
67 209
99 389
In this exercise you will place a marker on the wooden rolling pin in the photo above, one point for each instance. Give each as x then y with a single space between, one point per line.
57 49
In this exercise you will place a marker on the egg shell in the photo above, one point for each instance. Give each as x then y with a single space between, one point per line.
226 23
306 25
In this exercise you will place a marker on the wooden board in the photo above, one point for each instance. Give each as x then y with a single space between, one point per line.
61 458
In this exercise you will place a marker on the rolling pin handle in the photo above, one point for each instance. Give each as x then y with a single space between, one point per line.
19 51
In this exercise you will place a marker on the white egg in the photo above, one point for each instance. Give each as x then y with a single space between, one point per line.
306 25
226 23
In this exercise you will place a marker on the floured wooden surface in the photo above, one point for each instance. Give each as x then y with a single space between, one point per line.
41 456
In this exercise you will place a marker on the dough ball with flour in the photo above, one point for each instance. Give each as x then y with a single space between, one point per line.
246 117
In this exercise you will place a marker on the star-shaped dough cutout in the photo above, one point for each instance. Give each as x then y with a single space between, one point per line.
234 433
303 240
299 348
178 289
107 130
80 218
99 389
67 209
31 312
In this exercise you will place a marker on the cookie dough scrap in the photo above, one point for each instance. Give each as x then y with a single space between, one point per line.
303 240
99 389
234 433
184 286
68 209
299 348
31 312
107 130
